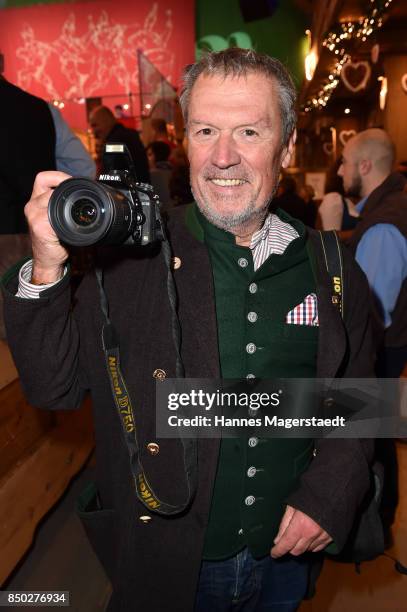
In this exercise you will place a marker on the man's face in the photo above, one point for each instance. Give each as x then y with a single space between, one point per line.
99 126
349 171
234 148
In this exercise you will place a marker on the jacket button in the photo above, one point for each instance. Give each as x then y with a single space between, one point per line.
249 501
328 402
176 263
159 374
253 441
153 448
145 519
314 452
251 348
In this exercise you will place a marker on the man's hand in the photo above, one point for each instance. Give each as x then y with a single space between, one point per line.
48 253
298 533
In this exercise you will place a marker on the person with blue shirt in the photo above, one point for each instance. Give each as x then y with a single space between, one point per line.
380 238
380 246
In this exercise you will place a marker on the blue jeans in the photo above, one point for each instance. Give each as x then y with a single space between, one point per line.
245 584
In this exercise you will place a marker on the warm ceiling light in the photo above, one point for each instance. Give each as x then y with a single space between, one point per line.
383 92
310 63
347 111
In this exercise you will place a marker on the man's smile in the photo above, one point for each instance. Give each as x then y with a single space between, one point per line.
220 182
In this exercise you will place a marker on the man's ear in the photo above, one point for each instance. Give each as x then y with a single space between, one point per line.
365 166
288 150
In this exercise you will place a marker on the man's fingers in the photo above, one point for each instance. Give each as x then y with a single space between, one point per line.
320 543
41 200
297 534
47 180
319 548
300 547
285 521
285 544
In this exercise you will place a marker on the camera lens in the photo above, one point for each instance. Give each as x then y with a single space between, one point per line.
84 212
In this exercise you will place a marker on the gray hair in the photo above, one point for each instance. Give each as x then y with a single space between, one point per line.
240 62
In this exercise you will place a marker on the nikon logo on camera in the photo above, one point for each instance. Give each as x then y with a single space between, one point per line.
115 209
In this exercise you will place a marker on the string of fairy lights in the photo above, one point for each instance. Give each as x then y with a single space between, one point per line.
338 40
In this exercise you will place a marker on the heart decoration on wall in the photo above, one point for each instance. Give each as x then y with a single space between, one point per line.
328 148
346 135
404 82
374 53
356 75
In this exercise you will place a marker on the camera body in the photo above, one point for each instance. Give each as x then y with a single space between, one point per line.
115 209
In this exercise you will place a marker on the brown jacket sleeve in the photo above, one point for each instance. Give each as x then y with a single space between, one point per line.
337 480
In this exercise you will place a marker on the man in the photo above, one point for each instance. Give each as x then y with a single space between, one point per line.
288 199
106 128
379 242
70 154
28 146
240 274
34 137
161 170
380 237
160 132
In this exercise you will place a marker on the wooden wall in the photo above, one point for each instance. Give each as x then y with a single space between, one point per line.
395 113
40 452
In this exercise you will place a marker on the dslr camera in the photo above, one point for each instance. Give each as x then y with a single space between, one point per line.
115 209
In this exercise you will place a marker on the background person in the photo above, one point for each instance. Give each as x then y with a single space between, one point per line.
70 154
160 132
106 128
288 199
307 193
158 153
380 237
34 137
379 242
337 212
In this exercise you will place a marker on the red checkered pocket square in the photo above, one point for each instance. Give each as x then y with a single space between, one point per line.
305 313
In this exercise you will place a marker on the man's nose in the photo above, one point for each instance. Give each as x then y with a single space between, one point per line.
340 170
225 153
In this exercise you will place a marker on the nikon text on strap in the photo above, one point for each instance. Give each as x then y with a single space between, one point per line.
125 410
334 266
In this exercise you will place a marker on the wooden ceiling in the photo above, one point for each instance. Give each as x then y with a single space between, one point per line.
391 37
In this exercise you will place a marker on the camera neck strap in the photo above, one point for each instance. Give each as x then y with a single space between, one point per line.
125 410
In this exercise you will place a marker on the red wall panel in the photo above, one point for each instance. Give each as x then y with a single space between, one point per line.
88 49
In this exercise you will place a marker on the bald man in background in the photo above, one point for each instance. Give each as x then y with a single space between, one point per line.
379 243
380 238
106 128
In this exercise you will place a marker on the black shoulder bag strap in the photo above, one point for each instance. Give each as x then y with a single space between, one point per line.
334 266
367 539
125 410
